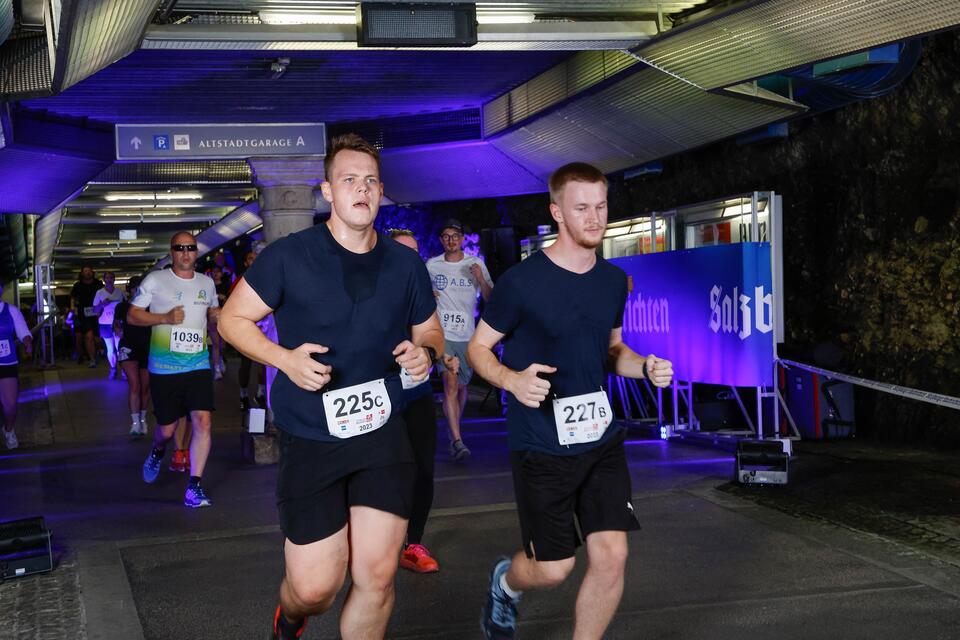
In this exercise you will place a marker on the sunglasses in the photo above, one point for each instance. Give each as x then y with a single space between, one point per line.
447 237
183 247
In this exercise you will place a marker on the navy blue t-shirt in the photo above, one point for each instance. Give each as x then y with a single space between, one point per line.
559 318
359 305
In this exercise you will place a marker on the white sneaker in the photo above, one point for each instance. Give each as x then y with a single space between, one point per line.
11 438
138 429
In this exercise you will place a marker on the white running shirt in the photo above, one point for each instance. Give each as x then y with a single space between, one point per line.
458 291
113 299
183 347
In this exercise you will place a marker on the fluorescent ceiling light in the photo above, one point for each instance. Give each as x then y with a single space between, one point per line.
505 18
152 207
294 17
115 243
153 195
153 213
110 250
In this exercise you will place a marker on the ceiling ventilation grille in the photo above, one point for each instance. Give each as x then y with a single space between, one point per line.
553 86
182 172
645 116
783 34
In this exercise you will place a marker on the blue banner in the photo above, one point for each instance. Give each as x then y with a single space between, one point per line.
708 310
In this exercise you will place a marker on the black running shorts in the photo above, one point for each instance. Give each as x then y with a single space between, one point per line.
318 482
125 353
557 493
177 394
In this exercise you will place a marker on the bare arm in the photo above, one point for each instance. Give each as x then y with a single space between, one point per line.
525 386
485 288
629 364
238 325
142 318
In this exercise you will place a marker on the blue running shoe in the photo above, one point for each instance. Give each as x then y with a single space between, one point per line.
151 468
498 620
195 497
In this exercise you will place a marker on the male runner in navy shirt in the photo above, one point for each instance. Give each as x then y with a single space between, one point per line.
352 308
559 313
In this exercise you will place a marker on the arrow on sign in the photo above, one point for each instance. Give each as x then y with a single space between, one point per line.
135 143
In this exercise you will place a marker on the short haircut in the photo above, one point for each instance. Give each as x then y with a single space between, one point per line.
351 142
573 172
396 233
182 233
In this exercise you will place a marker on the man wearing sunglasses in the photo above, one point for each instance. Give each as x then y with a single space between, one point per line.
182 303
457 279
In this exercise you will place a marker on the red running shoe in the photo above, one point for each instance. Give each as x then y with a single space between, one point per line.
176 462
417 558
278 633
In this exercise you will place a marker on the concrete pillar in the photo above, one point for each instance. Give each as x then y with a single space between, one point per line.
287 205
286 185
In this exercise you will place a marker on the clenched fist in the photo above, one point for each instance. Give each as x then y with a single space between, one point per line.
659 371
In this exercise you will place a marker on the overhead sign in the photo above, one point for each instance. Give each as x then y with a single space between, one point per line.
219 141
708 310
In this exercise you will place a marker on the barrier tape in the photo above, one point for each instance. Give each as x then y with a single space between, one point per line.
903 392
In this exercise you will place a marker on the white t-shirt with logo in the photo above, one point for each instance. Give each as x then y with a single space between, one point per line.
183 347
458 291
112 299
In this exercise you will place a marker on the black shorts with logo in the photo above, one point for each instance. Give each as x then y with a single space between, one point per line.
555 494
318 482
177 394
126 352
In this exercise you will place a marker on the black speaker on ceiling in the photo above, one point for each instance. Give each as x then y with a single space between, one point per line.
417 24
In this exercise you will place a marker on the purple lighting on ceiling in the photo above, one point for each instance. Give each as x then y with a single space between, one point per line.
454 171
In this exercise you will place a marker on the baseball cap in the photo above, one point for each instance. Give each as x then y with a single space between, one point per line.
452 223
